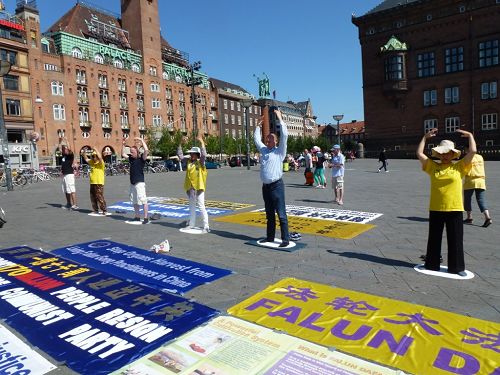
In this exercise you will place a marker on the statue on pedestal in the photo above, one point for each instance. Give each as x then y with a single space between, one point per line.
264 86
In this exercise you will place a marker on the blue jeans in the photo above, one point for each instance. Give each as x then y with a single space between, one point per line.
480 197
274 201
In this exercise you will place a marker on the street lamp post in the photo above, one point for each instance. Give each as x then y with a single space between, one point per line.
193 82
338 118
4 69
246 103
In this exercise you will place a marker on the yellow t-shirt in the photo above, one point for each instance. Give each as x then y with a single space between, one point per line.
476 178
446 185
196 176
96 172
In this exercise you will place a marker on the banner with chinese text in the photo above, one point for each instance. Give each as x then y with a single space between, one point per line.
230 346
413 338
93 322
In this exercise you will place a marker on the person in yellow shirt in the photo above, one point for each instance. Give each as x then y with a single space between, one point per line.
446 204
195 184
97 167
475 182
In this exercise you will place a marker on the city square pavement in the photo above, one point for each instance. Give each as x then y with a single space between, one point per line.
379 261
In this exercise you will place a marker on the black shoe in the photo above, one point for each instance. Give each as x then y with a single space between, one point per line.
423 257
461 273
269 240
136 219
468 221
284 244
146 221
487 223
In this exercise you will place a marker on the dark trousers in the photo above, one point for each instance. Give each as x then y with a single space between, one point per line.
274 201
97 197
454 235
384 165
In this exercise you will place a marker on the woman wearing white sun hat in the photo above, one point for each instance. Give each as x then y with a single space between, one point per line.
446 204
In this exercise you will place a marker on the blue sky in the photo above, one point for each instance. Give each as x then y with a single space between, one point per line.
309 49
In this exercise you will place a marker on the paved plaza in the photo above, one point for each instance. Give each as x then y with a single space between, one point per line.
379 261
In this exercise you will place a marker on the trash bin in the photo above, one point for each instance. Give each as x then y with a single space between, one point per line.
286 167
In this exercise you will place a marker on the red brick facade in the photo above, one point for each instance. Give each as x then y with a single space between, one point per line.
450 56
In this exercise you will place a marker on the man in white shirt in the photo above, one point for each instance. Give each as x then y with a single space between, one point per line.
337 164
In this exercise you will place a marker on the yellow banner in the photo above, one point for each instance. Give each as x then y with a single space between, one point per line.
327 228
414 338
208 203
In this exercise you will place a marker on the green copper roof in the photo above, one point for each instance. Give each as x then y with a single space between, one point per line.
394 44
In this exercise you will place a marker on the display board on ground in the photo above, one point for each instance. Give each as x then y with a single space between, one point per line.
333 214
413 338
91 321
17 358
327 228
232 206
230 346
166 210
158 271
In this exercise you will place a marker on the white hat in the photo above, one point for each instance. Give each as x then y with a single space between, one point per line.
444 147
194 150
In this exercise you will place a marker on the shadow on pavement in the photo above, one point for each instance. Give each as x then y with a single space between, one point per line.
313 201
414 218
232 235
300 186
374 259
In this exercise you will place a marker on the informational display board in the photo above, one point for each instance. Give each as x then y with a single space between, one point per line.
158 271
92 321
230 346
413 338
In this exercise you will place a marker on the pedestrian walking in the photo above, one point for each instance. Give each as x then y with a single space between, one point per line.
446 204
137 161
337 164
271 173
475 183
319 171
383 159
180 155
308 174
97 168
195 184
67 168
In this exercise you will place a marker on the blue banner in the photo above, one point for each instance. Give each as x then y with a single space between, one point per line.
89 320
168 210
174 275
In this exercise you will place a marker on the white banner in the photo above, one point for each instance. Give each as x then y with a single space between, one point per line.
332 214
18 358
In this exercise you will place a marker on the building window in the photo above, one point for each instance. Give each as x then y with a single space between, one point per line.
152 71
226 118
454 59
11 82
103 81
156 120
117 63
430 124
238 106
81 77
181 96
489 121
57 88
155 103
231 104
45 46
451 95
98 58
155 87
122 84
83 115
225 103
124 118
489 142
233 120
426 64
451 124
139 88
394 68
489 90
239 120
105 117
9 56
59 112
168 93
488 53
430 98
140 119
165 75
13 107
136 68
76 53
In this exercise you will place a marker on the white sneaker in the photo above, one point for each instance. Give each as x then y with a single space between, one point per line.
205 230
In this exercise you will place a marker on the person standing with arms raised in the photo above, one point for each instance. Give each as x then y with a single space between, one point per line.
271 172
137 185
67 168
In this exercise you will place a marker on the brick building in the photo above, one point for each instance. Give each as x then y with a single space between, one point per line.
349 131
430 64
228 112
99 77
16 90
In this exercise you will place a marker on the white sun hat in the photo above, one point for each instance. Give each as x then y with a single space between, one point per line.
444 147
